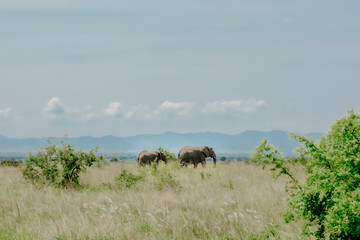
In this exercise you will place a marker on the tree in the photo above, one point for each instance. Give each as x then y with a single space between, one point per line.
58 165
169 156
330 197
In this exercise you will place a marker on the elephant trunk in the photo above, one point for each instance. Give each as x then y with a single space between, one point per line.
214 161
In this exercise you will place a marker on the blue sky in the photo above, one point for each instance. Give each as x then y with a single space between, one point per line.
131 67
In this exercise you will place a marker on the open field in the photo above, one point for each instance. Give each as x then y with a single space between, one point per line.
236 200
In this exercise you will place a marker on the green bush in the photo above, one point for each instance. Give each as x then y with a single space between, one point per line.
10 163
128 180
164 179
266 154
330 197
58 165
169 156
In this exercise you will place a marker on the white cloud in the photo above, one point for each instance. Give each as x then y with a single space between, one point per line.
233 107
175 108
166 109
89 116
117 109
114 109
5 113
87 113
139 112
54 108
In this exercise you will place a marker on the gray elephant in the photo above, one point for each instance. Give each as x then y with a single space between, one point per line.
148 157
196 155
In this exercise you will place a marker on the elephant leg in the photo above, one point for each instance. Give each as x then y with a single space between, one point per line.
203 161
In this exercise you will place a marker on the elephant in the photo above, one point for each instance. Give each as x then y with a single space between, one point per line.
148 157
196 155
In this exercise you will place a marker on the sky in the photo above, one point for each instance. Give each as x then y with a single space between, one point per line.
123 68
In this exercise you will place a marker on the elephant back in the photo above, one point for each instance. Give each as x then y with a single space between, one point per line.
187 149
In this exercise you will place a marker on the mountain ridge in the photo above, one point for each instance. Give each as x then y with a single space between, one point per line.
224 144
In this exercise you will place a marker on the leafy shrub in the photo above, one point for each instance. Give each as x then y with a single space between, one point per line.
169 156
128 180
330 197
58 165
266 154
297 160
164 178
9 163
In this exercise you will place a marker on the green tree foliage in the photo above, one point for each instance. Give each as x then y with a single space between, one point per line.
266 154
58 165
330 197
169 156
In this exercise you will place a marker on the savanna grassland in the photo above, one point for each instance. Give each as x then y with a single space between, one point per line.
235 200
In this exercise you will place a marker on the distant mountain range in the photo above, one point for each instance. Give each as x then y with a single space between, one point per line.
224 144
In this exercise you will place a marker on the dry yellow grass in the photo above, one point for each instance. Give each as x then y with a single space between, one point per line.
233 201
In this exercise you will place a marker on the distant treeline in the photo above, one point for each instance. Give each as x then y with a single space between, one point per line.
121 158
3 158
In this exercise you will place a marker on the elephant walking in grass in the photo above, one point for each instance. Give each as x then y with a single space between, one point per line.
196 155
148 157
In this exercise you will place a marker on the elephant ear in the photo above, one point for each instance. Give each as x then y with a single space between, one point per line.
158 155
163 156
211 150
206 151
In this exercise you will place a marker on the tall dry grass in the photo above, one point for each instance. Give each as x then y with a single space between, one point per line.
233 201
